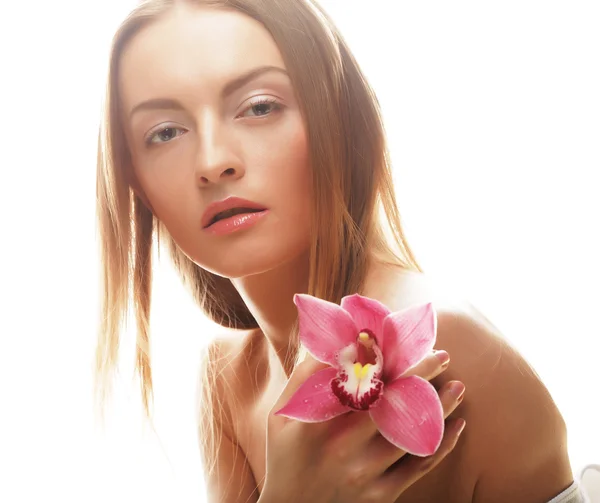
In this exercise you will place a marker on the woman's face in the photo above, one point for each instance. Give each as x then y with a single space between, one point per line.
198 136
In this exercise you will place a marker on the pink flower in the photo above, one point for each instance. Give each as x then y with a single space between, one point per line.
369 349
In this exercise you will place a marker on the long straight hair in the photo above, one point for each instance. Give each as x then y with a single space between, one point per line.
351 180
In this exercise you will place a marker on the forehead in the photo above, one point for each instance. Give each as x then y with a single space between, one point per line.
190 47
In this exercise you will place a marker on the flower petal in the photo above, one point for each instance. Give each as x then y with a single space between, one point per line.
409 414
325 328
367 313
409 335
314 401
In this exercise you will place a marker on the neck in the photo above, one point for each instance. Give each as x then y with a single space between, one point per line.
270 298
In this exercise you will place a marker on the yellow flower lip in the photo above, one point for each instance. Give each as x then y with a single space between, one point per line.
361 371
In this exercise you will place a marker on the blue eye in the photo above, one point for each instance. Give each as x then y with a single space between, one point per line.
264 106
261 107
163 135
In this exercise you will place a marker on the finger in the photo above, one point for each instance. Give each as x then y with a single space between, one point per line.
354 428
451 395
431 366
394 482
381 454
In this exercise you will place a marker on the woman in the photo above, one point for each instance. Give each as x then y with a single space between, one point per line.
244 133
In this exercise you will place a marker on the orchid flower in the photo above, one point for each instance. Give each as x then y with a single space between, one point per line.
369 349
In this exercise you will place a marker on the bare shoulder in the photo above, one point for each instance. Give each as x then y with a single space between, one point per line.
233 352
228 349
515 445
225 362
518 436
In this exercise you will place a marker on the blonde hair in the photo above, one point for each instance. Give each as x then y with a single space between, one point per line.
352 185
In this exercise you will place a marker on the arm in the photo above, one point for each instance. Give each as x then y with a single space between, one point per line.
518 436
227 473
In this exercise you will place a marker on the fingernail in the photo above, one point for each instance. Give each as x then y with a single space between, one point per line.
460 426
443 357
458 390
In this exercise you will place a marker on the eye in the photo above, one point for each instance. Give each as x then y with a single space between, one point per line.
263 107
163 135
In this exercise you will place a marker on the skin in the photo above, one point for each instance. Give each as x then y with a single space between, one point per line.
514 446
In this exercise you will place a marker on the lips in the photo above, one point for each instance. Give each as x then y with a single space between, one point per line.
227 208
230 213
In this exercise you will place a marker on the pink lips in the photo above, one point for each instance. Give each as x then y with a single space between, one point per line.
235 222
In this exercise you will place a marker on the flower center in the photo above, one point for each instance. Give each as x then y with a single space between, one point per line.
357 384
365 353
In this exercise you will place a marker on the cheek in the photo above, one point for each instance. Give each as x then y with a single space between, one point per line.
297 178
295 193
168 191
303 187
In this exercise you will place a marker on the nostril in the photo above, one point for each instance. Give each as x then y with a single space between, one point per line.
215 175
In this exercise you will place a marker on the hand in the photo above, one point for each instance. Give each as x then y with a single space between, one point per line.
344 460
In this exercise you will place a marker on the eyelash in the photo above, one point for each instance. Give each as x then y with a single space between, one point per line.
261 101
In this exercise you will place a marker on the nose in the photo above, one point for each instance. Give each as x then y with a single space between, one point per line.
216 160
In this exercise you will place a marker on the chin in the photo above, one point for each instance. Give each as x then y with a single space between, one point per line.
238 262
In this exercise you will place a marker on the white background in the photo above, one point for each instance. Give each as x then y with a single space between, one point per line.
493 115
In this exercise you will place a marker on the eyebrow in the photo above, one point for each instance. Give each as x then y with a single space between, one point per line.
230 88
